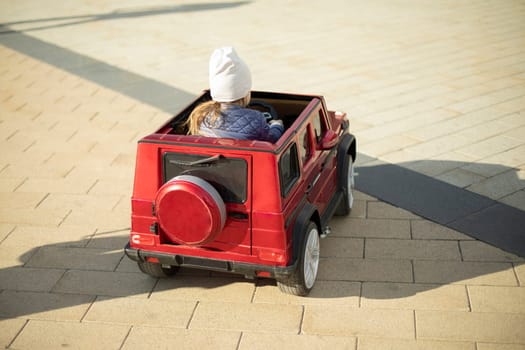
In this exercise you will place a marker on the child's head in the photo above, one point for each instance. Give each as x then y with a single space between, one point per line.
230 78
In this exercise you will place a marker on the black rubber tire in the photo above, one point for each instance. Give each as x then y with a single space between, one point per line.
157 270
298 283
345 206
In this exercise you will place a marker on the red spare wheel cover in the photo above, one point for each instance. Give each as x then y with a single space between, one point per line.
189 210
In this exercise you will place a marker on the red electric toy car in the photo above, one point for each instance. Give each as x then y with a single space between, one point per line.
242 206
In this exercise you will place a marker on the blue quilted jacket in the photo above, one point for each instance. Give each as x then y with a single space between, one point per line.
241 123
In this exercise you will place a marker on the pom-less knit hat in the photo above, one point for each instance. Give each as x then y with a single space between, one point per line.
230 78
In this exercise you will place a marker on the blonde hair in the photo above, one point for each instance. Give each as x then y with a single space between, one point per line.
212 110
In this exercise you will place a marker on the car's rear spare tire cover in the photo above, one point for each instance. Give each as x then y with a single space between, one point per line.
189 210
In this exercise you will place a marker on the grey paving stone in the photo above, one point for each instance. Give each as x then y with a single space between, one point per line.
105 283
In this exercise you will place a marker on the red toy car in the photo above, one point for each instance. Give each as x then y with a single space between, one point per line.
242 206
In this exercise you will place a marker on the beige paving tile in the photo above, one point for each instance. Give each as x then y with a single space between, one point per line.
519 269
323 292
381 210
414 296
48 306
516 200
480 251
370 228
500 185
105 283
378 270
75 258
196 288
5 230
37 216
470 326
28 279
469 273
423 229
143 337
110 240
10 329
337 320
358 209
79 201
460 177
16 201
36 236
137 311
342 247
418 344
247 317
412 249
497 299
490 147
73 185
499 346
302 341
55 335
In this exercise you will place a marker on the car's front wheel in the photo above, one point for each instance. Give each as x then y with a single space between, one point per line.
156 269
345 206
302 280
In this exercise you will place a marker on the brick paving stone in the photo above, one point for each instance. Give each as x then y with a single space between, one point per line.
105 283
28 279
469 273
480 251
75 258
365 343
500 185
414 296
204 289
519 269
143 337
54 335
138 311
247 317
337 320
412 249
497 299
342 247
323 292
296 342
378 270
48 306
517 200
381 210
370 228
470 326
10 328
423 229
499 346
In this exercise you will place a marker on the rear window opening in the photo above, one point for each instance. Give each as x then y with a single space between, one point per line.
229 176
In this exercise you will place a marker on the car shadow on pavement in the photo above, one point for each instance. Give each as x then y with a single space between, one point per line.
452 206
72 275
133 12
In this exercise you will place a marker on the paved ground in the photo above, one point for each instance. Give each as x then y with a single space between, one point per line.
437 87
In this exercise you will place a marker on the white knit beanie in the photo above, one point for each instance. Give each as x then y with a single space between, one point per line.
230 77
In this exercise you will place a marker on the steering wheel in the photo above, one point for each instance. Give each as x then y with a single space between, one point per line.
265 108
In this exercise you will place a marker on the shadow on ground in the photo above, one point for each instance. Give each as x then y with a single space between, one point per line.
69 274
66 21
460 209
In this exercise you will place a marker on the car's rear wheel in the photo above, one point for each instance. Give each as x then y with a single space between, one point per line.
156 269
303 279
345 206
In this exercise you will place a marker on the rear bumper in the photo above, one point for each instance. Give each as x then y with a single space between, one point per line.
246 269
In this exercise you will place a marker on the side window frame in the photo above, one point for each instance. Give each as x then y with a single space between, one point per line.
287 181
